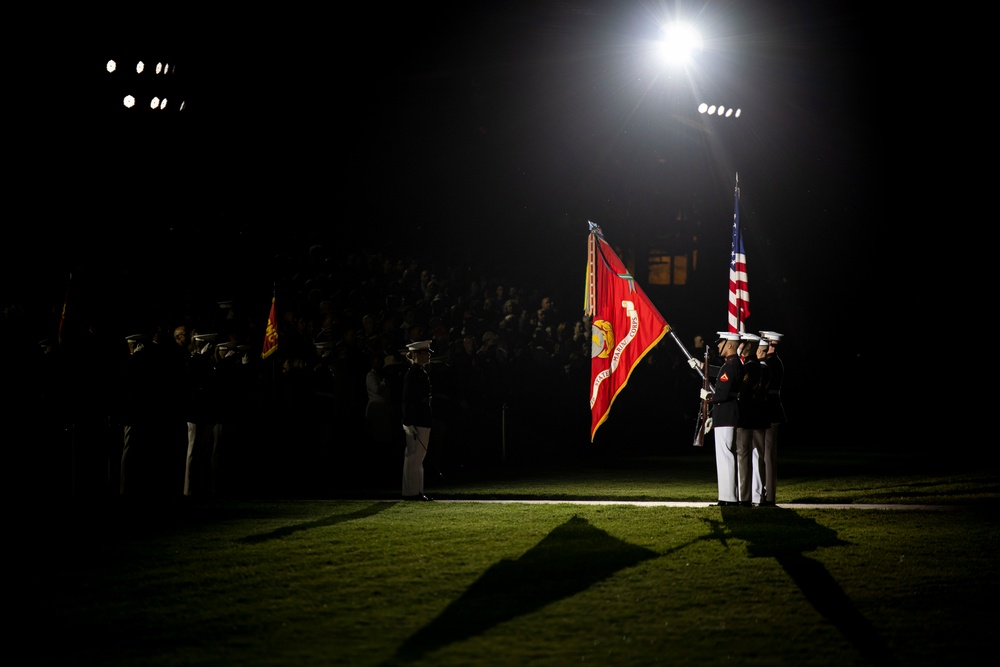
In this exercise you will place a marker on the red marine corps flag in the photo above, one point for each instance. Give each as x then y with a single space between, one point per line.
624 326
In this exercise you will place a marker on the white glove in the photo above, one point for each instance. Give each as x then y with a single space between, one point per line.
708 425
704 394
694 363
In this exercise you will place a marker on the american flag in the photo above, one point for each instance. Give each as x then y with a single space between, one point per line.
739 293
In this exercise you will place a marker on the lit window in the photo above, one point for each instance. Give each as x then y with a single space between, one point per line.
659 268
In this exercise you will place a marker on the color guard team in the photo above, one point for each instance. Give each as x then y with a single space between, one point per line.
746 416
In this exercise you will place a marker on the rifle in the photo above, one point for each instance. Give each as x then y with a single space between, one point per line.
703 424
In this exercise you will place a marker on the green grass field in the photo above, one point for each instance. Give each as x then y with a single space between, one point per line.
369 580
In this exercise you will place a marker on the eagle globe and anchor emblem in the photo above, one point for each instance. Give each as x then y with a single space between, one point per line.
602 339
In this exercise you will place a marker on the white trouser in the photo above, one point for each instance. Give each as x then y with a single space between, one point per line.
744 463
760 466
198 471
771 462
413 461
725 462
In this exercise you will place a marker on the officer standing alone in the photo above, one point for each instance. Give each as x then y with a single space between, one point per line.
417 419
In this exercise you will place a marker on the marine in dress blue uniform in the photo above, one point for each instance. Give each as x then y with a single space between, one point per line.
775 415
722 399
749 416
760 426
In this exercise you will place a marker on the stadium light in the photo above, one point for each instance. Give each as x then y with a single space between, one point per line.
719 110
680 41
147 85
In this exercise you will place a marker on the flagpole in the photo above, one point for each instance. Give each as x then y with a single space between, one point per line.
686 353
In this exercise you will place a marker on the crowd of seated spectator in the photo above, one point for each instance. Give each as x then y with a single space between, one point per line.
510 369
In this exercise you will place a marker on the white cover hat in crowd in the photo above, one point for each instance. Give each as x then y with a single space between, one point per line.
419 345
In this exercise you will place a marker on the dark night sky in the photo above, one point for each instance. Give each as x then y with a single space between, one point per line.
490 132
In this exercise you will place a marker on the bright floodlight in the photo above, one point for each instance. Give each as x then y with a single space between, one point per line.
721 110
680 40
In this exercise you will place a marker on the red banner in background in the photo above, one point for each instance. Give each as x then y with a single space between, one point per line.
271 333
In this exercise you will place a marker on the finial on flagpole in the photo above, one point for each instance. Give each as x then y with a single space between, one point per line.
595 229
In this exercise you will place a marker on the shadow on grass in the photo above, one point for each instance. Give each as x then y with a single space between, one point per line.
785 536
570 559
285 531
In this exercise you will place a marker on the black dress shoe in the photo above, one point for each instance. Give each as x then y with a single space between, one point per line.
727 503
746 503
419 496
